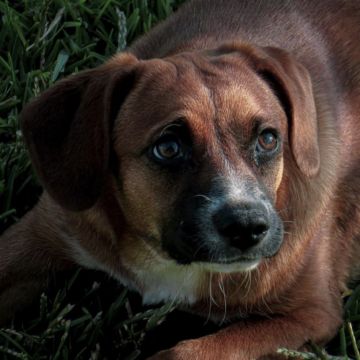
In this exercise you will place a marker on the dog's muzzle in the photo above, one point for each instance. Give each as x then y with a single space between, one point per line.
216 230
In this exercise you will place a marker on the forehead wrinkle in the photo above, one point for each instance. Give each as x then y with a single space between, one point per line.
209 104
200 102
236 102
201 106
244 98
196 98
191 81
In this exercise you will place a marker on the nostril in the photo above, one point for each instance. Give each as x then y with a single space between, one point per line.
259 230
231 230
245 236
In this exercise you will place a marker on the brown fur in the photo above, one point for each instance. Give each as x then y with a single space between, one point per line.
219 66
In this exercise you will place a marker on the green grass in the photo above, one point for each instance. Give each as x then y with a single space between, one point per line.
83 315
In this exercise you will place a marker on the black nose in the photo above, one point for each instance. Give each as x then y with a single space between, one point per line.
242 226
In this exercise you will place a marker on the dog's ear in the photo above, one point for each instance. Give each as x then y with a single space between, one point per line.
292 84
67 130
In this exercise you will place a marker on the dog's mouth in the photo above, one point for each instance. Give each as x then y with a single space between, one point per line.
224 263
220 255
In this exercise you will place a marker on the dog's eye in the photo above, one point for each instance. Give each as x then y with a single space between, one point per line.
267 141
167 149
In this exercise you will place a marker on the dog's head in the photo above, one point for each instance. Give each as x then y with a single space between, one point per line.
197 143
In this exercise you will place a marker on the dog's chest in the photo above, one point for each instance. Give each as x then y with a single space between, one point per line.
169 282
157 281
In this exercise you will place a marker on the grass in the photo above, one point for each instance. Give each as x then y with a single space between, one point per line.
86 315
83 316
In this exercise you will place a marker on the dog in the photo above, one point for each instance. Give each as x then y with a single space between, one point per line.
215 164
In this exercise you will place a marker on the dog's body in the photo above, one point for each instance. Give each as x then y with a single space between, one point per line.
214 164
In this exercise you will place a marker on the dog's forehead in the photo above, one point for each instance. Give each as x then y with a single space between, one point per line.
202 87
224 82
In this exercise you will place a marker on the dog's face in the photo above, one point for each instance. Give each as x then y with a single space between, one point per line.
201 161
199 139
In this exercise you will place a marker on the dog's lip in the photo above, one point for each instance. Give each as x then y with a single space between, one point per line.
239 259
233 265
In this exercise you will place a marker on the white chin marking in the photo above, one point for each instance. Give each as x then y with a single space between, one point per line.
233 267
180 283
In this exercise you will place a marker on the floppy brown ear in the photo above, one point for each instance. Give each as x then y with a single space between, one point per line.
292 83
67 131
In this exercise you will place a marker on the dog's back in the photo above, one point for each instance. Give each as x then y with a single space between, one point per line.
308 29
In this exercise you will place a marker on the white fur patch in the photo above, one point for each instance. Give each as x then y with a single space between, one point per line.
81 256
162 280
169 281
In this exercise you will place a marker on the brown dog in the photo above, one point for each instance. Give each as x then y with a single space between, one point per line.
215 164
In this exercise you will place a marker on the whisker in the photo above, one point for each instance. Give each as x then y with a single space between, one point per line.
222 289
204 197
211 299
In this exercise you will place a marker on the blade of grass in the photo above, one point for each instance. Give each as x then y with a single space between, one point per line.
353 340
61 61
